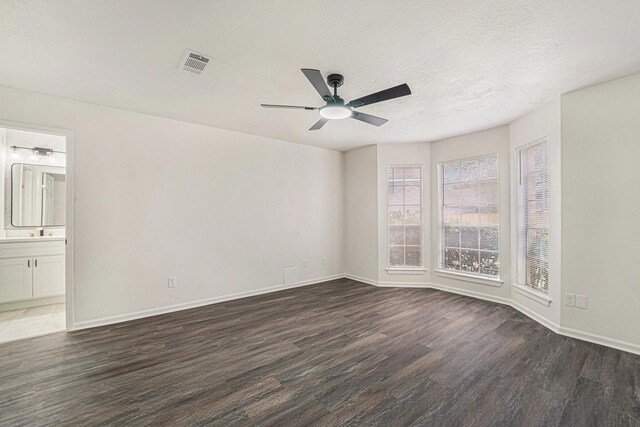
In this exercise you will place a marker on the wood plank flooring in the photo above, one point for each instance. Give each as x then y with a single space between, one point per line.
332 354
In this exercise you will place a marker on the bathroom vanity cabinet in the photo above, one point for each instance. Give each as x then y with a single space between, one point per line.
31 268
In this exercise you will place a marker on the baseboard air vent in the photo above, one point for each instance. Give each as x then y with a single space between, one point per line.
193 62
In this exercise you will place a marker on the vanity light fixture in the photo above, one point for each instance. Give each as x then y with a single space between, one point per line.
41 151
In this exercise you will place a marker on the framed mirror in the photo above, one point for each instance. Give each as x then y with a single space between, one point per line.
38 195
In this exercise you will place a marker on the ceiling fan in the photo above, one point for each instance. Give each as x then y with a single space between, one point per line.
335 108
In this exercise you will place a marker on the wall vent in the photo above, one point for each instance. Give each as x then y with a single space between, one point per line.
193 62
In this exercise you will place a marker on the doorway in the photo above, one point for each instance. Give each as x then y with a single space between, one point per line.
33 231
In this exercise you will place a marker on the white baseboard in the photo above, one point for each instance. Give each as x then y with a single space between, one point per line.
360 279
569 332
381 284
478 295
535 316
554 327
198 303
430 285
34 302
599 339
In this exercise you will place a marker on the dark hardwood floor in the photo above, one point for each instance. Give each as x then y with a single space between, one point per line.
337 353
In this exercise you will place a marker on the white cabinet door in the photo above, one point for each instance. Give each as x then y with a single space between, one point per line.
15 279
48 276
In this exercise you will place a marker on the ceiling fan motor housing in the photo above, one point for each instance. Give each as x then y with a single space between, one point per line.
335 80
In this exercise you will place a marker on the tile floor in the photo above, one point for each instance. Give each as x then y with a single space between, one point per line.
31 322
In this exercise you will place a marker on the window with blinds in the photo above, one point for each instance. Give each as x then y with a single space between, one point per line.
404 202
533 216
469 212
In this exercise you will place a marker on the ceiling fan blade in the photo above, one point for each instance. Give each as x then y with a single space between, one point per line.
383 95
317 81
290 107
368 118
319 124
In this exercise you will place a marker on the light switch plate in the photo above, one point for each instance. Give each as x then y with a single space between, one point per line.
581 301
570 300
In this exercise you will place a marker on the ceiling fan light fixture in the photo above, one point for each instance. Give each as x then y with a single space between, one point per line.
335 112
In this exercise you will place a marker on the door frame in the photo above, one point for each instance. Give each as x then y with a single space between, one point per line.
70 206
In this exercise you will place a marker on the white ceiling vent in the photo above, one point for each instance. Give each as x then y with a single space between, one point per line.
193 62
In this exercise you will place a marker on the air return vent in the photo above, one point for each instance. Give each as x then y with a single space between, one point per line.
193 62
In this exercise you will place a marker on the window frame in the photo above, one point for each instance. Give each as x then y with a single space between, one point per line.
521 229
398 268
460 274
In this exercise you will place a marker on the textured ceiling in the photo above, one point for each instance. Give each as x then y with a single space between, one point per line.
470 64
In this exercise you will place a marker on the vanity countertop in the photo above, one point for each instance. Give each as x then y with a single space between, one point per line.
30 239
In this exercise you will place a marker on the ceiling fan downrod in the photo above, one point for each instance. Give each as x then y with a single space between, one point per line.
335 81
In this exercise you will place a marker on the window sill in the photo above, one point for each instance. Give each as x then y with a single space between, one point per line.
406 270
470 278
526 291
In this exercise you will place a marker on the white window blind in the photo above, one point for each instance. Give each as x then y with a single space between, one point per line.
404 201
533 216
469 230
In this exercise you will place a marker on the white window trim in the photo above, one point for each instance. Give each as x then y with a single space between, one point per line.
406 270
470 277
466 277
523 288
420 269
531 293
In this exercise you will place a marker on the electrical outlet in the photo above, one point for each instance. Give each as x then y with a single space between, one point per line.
570 300
305 263
581 301
171 282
